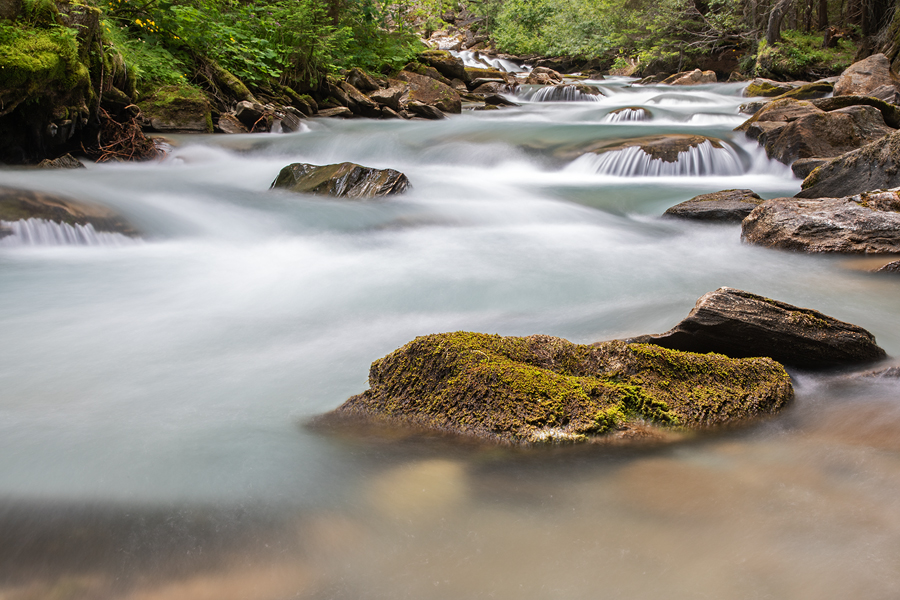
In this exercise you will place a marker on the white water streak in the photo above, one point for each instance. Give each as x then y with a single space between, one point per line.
627 115
559 93
39 232
702 160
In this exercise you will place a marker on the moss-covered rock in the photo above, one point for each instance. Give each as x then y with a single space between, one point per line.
448 65
766 88
546 389
177 109
431 92
810 91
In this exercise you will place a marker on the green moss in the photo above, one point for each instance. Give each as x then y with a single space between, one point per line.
33 60
801 56
542 388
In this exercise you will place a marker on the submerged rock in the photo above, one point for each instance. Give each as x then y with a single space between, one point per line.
546 389
865 223
343 180
727 206
740 324
660 147
891 267
17 204
872 167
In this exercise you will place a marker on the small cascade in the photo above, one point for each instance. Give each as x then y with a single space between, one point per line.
39 232
476 60
558 93
627 115
698 161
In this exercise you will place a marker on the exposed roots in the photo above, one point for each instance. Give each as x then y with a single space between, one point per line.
123 141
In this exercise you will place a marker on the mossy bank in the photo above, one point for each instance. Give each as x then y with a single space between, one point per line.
523 390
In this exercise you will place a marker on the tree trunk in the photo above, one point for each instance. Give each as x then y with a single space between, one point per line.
823 15
773 31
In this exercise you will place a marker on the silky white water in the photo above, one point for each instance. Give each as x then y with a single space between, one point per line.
153 395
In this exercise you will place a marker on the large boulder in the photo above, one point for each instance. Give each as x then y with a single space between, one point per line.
889 112
361 80
431 92
740 324
177 109
779 112
695 77
730 206
863 77
872 167
18 204
866 223
825 134
445 63
810 91
390 96
535 389
766 88
343 180
543 76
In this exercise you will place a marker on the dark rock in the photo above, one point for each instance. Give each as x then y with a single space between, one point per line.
343 180
783 111
542 389
361 80
872 167
426 71
891 267
543 76
17 204
727 206
288 119
362 105
424 110
740 324
66 161
826 134
751 108
888 93
804 166
340 111
228 123
498 100
389 113
866 223
695 77
865 76
445 63
430 92
488 87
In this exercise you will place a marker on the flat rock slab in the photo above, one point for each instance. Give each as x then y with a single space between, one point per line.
17 204
342 180
865 223
525 390
865 76
740 324
729 206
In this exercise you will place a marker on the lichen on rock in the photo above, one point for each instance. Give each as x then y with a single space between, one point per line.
540 388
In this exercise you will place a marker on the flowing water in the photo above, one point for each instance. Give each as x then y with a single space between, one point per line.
154 394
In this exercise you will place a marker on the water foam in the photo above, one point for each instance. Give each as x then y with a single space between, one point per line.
558 93
699 161
627 115
40 232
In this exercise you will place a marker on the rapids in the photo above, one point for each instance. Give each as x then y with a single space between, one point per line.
153 395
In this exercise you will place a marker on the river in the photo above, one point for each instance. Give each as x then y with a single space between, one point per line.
154 393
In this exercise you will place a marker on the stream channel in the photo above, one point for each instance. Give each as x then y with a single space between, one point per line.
154 393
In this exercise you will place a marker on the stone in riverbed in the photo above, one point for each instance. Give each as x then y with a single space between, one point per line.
766 88
66 161
740 324
872 167
343 180
431 92
866 223
891 267
726 206
659 147
18 204
865 76
695 77
802 167
534 389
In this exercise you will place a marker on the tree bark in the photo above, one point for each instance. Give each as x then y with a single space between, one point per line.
773 31
823 15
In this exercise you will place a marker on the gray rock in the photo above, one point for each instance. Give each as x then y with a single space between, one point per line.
695 77
343 180
863 77
498 100
740 324
424 110
361 80
17 204
730 206
872 167
891 267
390 96
804 166
865 223
339 111
250 114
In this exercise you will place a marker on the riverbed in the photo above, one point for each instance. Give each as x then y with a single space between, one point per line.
154 393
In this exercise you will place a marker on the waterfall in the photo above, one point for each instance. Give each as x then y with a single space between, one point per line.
625 115
476 60
558 93
702 160
39 232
